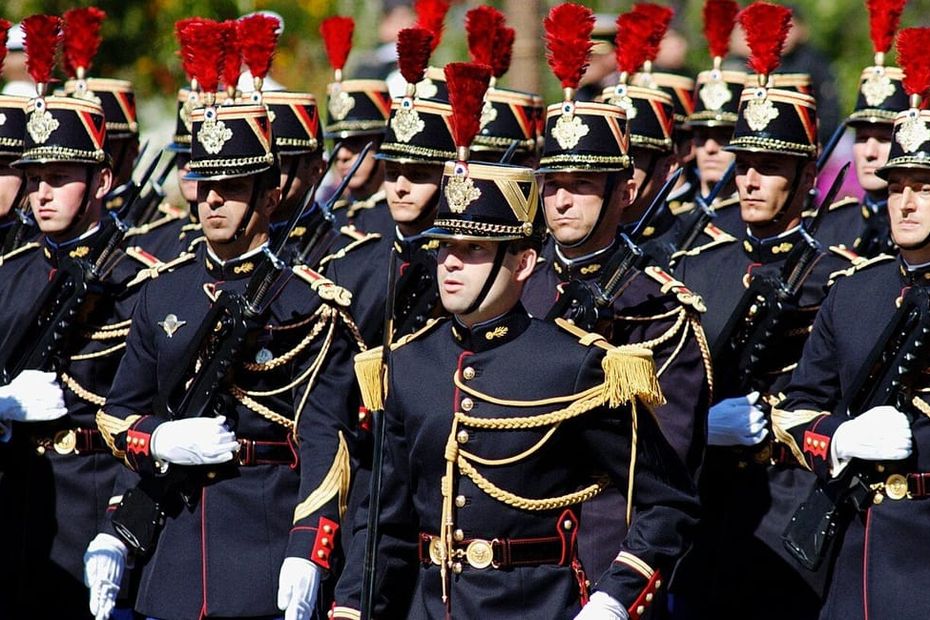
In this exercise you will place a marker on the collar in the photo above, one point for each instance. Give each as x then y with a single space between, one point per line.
234 269
661 223
914 275
872 206
79 247
301 227
771 249
583 267
493 333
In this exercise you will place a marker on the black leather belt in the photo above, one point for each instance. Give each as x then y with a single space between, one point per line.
72 441
906 486
254 452
498 553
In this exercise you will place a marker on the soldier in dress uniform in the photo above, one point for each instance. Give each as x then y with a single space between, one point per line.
479 512
879 567
17 227
587 184
747 493
862 226
58 471
267 479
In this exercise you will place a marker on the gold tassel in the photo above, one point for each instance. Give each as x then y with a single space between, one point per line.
370 378
630 373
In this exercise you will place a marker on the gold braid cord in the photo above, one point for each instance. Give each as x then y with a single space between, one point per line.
81 392
921 406
783 420
336 482
111 426
256 407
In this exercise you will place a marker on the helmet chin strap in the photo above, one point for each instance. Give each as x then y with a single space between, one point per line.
85 201
289 178
492 276
256 187
795 184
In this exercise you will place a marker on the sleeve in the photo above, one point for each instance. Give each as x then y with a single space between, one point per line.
397 531
323 406
663 497
804 421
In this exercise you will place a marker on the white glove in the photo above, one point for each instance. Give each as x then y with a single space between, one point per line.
602 606
194 441
104 562
880 434
298 586
33 396
736 422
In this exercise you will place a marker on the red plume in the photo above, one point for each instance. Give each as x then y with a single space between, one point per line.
258 36
204 54
719 21
467 83
914 60
568 41
503 51
632 41
4 31
337 38
481 26
42 35
81 38
413 49
430 15
660 17
766 26
884 17
232 54
185 43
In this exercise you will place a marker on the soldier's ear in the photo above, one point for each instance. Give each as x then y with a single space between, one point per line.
271 201
628 191
104 182
525 265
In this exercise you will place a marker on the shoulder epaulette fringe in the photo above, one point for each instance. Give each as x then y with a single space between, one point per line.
718 237
32 245
858 263
324 287
668 283
358 239
428 327
371 378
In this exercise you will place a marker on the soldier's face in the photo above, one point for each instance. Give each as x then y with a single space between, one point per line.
57 192
411 190
188 188
10 181
764 181
572 201
222 205
307 171
345 159
909 210
870 152
712 160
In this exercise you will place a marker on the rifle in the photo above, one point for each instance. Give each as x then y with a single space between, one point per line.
147 193
23 223
586 303
704 205
889 376
765 312
70 293
196 385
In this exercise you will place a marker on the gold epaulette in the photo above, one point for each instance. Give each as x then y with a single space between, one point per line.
839 204
718 237
323 286
170 213
369 203
150 262
358 238
32 245
858 263
668 283
678 207
629 370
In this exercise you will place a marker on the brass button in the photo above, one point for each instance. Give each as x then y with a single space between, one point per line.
40 450
457 567
640 610
324 541
879 467
460 501
658 583
211 475
327 529
878 499
462 437
468 373
649 597
467 404
321 554
458 535
567 524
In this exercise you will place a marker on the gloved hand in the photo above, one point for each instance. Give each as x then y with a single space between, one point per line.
33 396
880 434
298 586
194 441
104 562
602 606
736 422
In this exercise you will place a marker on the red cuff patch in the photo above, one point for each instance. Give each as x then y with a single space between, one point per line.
364 419
816 444
325 542
645 598
138 443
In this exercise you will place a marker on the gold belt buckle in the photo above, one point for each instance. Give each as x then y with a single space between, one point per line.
896 486
435 550
65 442
479 553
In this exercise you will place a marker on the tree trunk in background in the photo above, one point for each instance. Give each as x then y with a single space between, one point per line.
525 16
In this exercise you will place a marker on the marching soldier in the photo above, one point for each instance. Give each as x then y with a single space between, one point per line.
479 510
16 225
832 426
58 470
863 227
747 494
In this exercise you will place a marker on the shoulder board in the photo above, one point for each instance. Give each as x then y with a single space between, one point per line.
677 207
192 246
156 269
718 237
858 263
369 203
342 203
174 211
358 239
143 257
20 251
324 287
669 284
430 326
839 204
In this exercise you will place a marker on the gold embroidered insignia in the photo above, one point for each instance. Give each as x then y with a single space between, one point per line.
213 134
912 132
186 110
759 112
426 89
715 94
877 87
79 252
569 130
41 123
497 332
171 324
589 269
621 99
298 231
244 268
340 104
461 192
488 114
747 246
407 122
783 247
